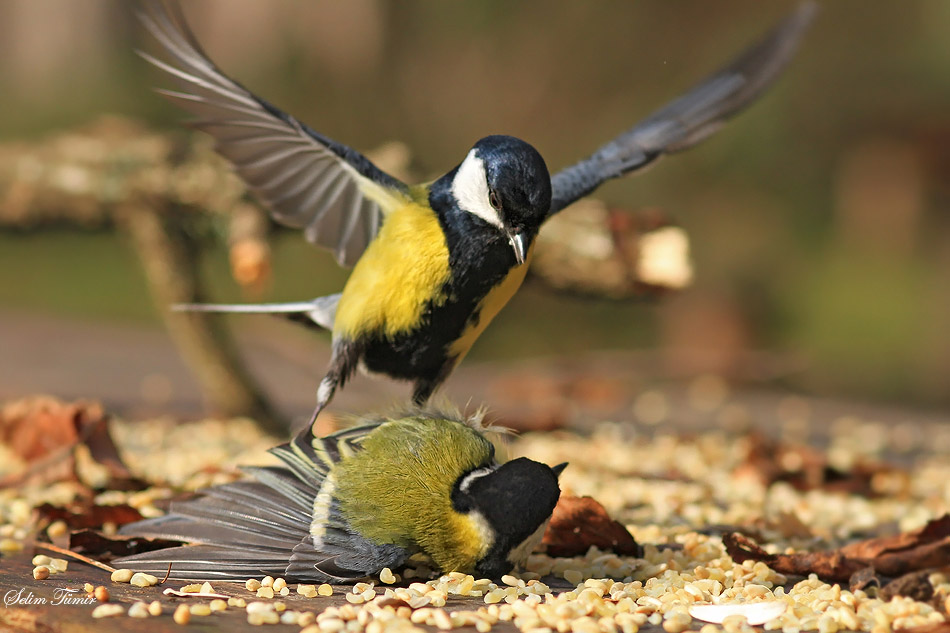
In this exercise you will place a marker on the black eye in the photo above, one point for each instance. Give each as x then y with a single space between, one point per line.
494 200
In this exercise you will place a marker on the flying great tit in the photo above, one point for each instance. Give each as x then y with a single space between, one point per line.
345 506
434 263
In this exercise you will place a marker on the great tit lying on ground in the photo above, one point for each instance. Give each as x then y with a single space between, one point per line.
434 263
347 505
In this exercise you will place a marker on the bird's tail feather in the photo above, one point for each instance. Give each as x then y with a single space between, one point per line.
320 311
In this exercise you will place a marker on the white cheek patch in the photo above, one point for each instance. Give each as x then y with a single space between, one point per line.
470 188
485 532
466 482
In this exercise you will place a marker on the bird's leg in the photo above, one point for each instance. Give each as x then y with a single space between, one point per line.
324 394
422 391
424 387
343 362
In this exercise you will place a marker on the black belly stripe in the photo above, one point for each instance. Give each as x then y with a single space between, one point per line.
423 351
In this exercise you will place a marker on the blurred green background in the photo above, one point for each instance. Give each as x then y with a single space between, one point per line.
818 218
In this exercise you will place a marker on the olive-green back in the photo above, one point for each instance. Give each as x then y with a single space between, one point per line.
397 489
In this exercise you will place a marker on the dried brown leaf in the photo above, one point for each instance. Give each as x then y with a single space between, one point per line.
829 565
45 433
915 585
579 522
893 557
864 579
935 530
96 544
86 515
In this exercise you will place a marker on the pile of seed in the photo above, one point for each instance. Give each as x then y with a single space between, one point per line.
667 489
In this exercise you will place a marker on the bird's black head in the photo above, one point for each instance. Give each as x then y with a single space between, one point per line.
516 499
504 184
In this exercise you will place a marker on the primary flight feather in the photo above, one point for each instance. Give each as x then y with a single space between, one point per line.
434 263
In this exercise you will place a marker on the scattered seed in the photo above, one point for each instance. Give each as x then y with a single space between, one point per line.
140 579
101 594
182 614
573 576
57 529
41 572
289 617
122 575
200 609
108 610
263 617
58 564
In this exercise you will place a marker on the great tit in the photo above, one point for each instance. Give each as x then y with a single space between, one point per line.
345 506
434 263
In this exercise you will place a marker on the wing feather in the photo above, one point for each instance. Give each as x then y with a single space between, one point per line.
279 523
689 119
335 193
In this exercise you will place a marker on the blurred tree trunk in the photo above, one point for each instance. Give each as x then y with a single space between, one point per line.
169 256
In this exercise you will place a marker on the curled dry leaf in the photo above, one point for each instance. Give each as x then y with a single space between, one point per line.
45 433
892 557
935 531
755 613
579 522
830 566
915 585
93 543
85 515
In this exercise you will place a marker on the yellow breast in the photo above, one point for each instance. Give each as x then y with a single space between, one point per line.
401 270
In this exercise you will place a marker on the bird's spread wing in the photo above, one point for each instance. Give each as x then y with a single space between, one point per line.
284 522
307 180
689 119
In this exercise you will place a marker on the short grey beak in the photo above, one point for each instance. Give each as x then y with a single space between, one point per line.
517 245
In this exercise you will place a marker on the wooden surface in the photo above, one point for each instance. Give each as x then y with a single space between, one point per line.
16 575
